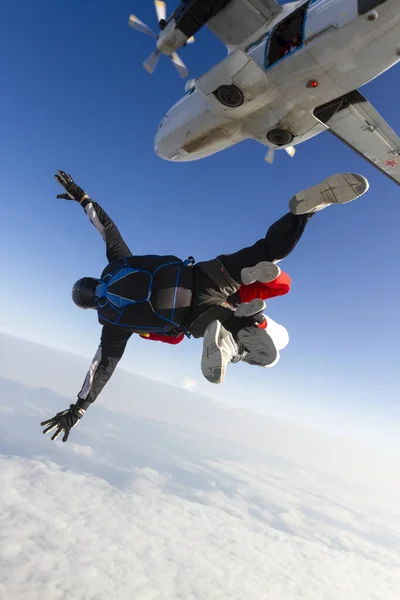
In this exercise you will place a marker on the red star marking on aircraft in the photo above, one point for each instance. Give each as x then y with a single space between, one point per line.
391 163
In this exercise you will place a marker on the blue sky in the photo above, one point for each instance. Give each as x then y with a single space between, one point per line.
75 97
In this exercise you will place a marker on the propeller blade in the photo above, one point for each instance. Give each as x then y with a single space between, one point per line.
291 150
269 158
137 24
191 40
179 65
151 62
161 10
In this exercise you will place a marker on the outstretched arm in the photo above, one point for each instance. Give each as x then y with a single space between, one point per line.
116 247
109 353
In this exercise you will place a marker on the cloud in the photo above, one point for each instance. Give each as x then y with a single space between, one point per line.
164 498
253 533
187 383
83 450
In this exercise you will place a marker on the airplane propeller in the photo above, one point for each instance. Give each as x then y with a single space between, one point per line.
151 62
161 10
269 158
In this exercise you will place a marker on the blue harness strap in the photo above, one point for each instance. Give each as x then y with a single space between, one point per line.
105 297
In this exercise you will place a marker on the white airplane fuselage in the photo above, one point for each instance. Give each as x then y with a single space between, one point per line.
341 50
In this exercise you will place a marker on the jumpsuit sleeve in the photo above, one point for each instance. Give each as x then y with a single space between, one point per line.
115 245
109 353
279 287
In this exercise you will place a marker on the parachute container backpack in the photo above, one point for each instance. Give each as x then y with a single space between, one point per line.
145 293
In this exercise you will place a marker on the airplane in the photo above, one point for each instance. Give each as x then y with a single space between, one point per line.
291 72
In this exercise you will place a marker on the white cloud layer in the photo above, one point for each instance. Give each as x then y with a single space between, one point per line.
169 496
251 532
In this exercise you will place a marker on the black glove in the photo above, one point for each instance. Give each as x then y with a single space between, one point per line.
74 192
64 421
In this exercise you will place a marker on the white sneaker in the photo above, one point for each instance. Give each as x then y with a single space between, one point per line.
248 309
262 271
219 348
337 189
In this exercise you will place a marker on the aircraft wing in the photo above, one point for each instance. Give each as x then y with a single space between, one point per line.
242 18
355 122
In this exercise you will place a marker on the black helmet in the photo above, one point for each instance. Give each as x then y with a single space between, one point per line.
83 292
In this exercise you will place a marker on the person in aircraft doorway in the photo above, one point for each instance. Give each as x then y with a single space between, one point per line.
288 47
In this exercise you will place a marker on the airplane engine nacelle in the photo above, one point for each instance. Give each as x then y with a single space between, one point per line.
187 19
236 87
171 39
